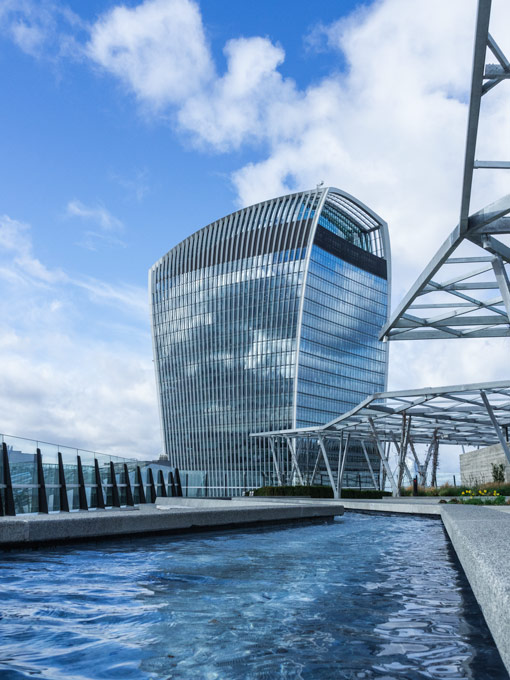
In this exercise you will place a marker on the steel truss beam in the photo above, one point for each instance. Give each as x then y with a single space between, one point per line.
446 283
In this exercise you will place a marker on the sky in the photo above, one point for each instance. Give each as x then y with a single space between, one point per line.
125 127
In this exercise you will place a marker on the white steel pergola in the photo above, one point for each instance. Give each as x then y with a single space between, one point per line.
473 415
464 292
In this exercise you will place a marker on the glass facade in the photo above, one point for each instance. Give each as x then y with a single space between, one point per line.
264 320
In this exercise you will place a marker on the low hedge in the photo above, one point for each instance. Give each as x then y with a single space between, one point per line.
447 490
313 491
317 492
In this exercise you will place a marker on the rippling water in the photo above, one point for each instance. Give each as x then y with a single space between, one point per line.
362 597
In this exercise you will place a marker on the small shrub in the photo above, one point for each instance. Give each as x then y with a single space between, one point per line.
503 489
447 490
498 500
498 473
422 491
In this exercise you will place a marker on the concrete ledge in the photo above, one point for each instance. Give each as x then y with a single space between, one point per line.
407 506
31 530
480 537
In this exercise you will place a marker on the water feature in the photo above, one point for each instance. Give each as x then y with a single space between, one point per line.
359 598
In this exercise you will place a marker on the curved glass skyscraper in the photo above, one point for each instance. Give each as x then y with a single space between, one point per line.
267 319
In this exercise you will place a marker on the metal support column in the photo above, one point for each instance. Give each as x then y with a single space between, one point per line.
430 451
380 451
275 461
82 494
328 466
339 464
499 431
64 501
341 475
402 465
503 282
315 467
415 456
363 446
291 445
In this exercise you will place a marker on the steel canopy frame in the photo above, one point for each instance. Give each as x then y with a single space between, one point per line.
467 415
457 413
467 296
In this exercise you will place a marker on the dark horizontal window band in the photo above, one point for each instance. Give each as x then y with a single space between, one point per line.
246 244
348 252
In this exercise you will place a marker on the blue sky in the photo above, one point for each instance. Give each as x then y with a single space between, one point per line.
71 132
127 126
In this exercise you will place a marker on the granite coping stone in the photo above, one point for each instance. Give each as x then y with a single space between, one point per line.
31 530
481 539
394 506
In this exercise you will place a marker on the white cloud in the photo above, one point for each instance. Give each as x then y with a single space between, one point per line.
41 28
390 130
100 215
157 49
15 239
75 355
103 219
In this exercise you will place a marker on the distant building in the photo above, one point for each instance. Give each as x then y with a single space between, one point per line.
263 320
476 466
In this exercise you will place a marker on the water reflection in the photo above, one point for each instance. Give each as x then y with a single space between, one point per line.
364 597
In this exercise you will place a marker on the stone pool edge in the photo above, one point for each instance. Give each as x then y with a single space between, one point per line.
480 537
26 531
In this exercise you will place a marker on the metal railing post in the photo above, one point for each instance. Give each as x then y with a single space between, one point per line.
178 482
64 501
10 509
99 486
152 486
173 491
42 499
129 493
115 488
161 482
139 481
82 494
